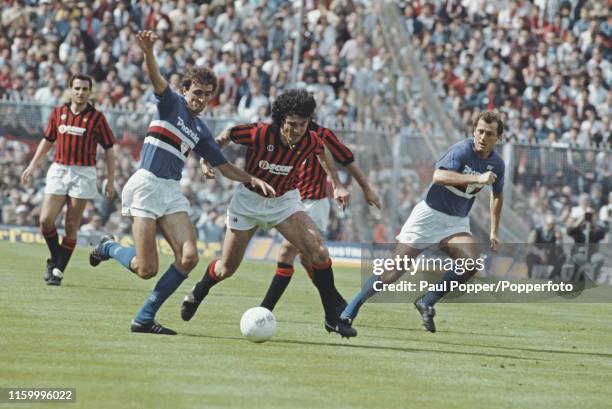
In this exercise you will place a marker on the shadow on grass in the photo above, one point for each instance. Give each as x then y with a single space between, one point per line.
360 346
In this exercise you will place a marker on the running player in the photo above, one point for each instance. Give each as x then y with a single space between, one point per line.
152 196
275 153
76 129
442 218
312 184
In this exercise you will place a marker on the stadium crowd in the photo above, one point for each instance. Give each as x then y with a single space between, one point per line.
544 64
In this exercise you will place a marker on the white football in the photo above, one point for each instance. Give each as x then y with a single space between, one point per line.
258 324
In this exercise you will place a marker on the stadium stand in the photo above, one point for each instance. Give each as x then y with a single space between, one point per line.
544 64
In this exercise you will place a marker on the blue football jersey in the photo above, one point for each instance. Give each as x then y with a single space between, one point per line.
461 157
172 134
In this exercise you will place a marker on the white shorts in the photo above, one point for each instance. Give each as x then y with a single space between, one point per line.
248 209
318 210
427 227
146 195
74 181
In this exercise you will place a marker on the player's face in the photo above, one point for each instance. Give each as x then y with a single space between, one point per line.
197 96
485 136
79 92
294 127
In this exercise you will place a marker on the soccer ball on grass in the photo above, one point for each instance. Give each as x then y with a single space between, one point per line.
258 324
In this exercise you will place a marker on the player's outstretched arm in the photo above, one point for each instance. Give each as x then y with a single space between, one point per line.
233 172
495 205
224 137
109 158
451 178
146 39
369 193
341 194
41 151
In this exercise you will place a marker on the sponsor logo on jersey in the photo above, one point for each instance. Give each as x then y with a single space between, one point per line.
183 127
274 168
72 130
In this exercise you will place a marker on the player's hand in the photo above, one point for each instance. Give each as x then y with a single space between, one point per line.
146 39
110 189
263 186
342 196
495 243
26 176
372 198
207 169
487 178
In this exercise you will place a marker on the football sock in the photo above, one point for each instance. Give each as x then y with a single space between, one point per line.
432 297
52 240
165 287
207 282
339 298
123 255
323 279
64 253
366 292
279 283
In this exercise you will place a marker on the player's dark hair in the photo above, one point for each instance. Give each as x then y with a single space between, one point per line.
82 77
200 75
490 117
293 102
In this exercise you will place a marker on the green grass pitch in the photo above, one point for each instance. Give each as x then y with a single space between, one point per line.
484 355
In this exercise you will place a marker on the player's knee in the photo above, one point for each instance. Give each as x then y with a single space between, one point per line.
319 254
188 261
46 222
225 270
146 271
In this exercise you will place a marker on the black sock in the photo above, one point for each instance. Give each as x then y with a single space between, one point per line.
279 283
323 279
52 240
207 282
64 254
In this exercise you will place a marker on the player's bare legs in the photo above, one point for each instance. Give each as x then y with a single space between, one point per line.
145 262
301 231
234 246
460 245
387 277
74 214
180 234
51 207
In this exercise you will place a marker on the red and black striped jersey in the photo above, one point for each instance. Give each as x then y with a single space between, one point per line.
312 179
269 159
76 136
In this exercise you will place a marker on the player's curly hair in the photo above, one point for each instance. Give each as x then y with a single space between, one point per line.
490 117
293 102
200 75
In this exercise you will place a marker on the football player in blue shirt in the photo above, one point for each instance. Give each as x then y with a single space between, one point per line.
442 218
153 197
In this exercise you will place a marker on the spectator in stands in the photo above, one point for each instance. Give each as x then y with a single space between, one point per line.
544 247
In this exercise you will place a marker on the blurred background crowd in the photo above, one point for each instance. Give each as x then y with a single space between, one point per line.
545 64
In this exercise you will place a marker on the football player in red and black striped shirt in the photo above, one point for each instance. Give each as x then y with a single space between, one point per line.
275 154
312 183
76 129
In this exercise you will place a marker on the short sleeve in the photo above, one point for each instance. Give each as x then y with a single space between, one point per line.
51 131
452 160
105 134
243 134
167 101
208 149
338 150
